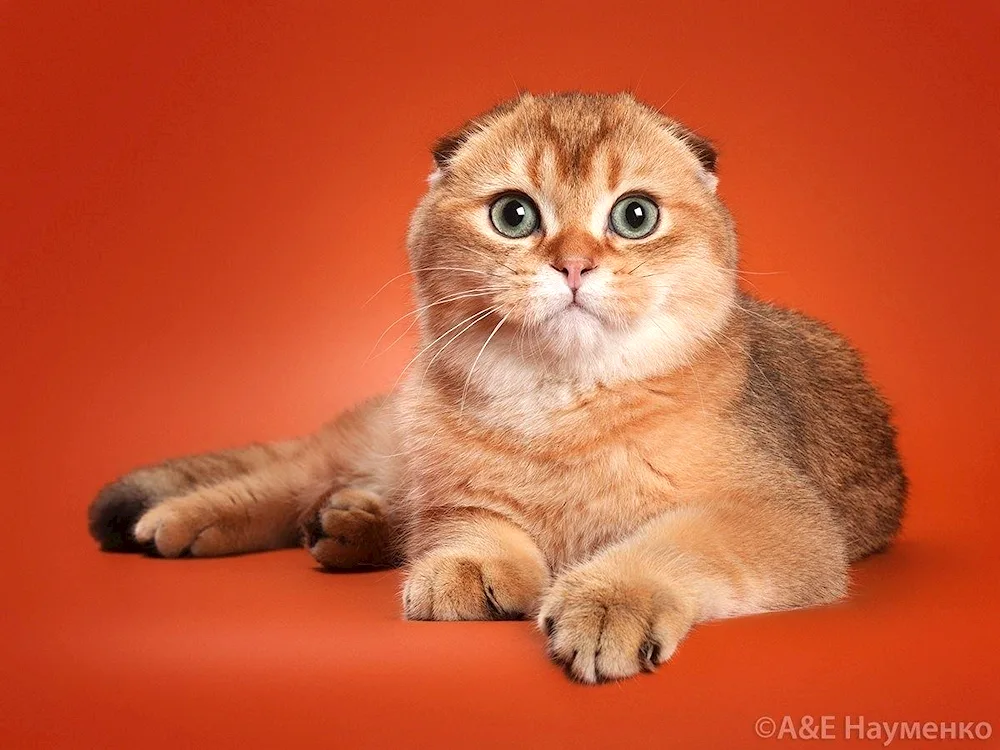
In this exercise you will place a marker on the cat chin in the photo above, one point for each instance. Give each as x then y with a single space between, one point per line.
574 331
580 344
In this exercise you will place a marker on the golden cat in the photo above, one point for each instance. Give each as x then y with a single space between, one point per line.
599 429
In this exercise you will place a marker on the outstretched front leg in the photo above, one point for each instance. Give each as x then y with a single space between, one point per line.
259 497
118 507
244 500
626 609
256 512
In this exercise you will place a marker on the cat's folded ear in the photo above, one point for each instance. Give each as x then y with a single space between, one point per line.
445 147
700 147
703 150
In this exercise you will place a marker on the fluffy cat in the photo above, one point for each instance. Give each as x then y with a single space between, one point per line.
600 429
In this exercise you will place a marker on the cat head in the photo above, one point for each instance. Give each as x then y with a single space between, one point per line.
588 224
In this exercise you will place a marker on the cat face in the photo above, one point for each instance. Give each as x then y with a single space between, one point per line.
588 224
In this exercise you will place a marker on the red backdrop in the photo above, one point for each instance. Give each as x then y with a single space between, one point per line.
196 199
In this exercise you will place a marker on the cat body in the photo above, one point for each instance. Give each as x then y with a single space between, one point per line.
598 429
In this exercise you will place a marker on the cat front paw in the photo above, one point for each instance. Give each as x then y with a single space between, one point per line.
603 624
348 529
452 585
181 527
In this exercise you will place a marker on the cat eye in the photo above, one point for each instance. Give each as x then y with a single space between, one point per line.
514 215
634 217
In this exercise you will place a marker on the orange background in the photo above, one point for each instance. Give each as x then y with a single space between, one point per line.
196 198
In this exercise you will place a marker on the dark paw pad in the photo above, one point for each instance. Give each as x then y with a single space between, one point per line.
113 515
312 531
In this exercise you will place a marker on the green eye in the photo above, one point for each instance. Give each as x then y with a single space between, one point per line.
514 215
634 217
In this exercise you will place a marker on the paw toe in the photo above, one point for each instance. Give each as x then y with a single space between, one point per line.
212 542
348 530
612 632
170 533
450 586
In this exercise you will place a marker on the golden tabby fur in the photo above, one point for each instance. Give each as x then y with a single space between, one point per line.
599 432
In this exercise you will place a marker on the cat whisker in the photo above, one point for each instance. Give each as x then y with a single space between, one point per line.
468 294
418 270
478 316
774 323
670 98
519 339
744 274
694 372
465 388
737 271
742 348
485 314
528 323
748 281
395 341
640 265
711 337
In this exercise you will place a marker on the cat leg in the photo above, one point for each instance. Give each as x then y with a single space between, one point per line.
119 505
251 498
480 566
626 609
256 511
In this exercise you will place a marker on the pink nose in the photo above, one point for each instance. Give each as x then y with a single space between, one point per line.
573 269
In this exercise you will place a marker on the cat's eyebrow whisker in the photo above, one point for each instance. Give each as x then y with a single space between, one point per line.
467 294
676 92
418 270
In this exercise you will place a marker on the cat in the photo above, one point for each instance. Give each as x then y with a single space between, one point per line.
600 430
